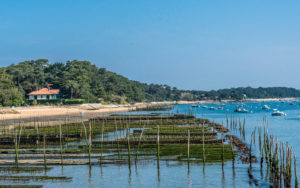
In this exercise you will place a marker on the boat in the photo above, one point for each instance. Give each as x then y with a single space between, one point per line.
278 113
212 108
204 106
220 107
241 110
266 107
195 106
241 105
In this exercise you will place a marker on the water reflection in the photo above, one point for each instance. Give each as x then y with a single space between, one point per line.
189 182
223 175
129 176
90 175
233 172
158 174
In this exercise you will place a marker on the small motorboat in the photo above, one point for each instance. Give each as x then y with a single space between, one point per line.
195 106
212 108
278 113
220 107
241 110
204 106
266 107
241 105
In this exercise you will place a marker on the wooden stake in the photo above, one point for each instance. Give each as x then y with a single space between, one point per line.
203 144
188 146
60 142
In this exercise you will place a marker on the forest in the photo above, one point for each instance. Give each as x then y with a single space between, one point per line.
85 82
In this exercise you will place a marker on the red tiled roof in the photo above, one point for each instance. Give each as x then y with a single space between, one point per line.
45 91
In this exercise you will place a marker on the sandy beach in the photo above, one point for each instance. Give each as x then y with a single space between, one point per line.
71 110
92 110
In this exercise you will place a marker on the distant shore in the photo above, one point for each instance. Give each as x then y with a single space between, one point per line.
272 99
92 110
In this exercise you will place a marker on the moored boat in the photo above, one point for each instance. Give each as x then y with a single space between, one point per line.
278 113
241 105
266 107
241 110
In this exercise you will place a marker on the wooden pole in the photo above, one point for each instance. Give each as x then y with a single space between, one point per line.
140 138
45 161
102 140
158 144
222 149
90 142
60 142
295 170
188 146
203 144
128 144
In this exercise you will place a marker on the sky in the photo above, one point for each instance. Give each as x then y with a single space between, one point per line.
188 44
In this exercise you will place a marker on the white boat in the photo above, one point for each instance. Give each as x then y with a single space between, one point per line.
212 108
204 106
195 106
241 105
266 107
220 107
278 113
241 110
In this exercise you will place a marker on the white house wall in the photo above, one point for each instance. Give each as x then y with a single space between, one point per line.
42 97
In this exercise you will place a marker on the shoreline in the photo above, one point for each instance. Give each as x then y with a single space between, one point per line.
92 110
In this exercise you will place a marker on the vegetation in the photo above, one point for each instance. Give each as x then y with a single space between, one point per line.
84 82
238 93
76 142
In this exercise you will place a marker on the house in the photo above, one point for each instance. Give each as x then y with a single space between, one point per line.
44 94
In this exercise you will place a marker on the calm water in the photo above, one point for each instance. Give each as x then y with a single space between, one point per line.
176 174
286 128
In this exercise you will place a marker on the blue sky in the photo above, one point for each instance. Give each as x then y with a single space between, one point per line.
189 44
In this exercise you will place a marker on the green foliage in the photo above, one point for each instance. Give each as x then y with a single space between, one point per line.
83 80
237 93
10 94
34 102
74 101
57 102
